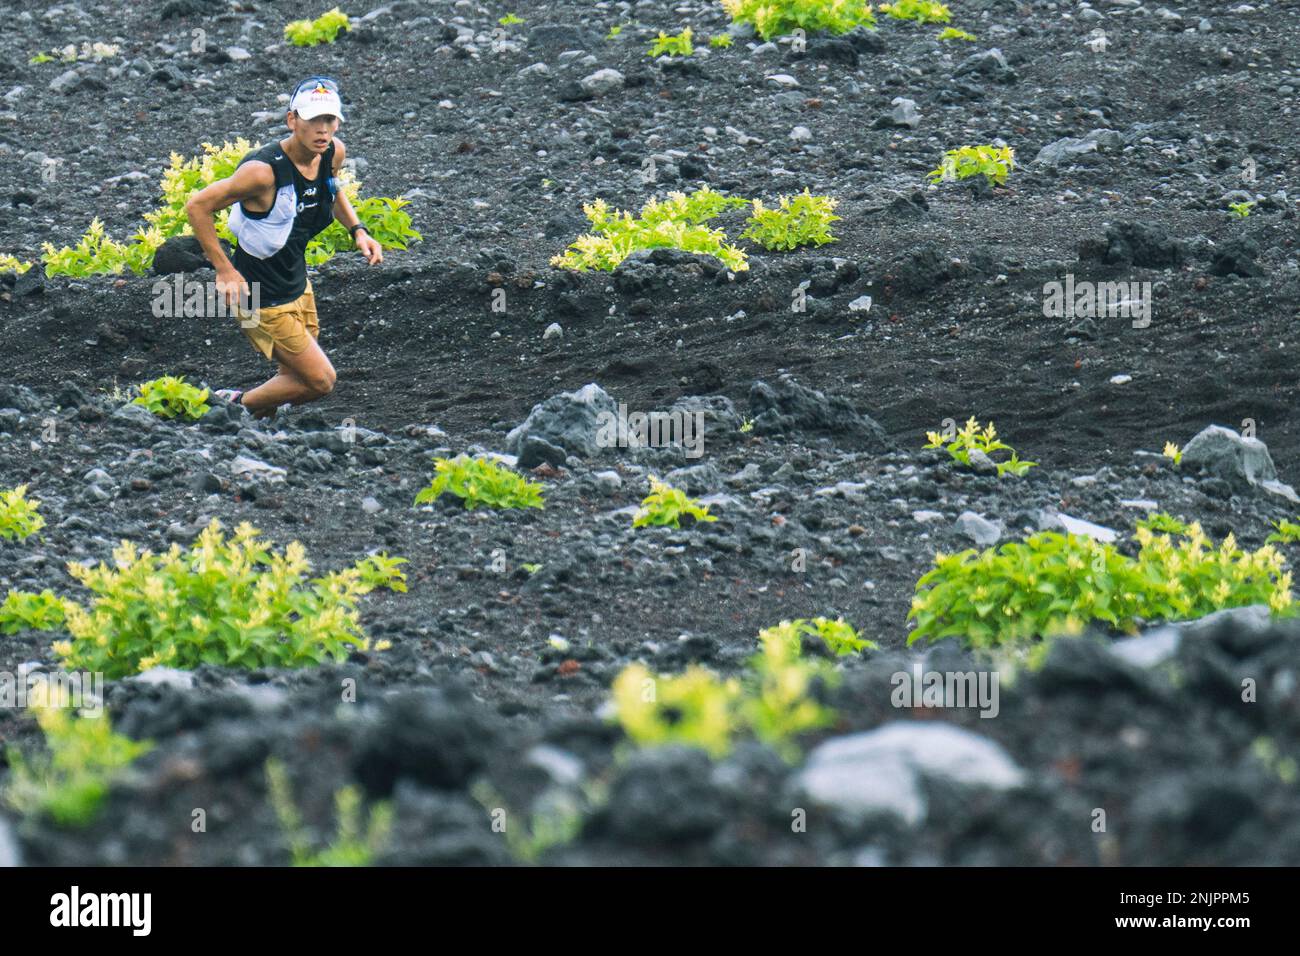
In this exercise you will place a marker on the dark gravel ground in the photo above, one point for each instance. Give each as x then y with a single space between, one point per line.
474 707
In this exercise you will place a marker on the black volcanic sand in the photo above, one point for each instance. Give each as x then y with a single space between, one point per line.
475 706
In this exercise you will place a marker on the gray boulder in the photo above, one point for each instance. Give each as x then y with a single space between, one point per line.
570 420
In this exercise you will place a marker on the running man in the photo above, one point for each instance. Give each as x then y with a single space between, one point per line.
284 194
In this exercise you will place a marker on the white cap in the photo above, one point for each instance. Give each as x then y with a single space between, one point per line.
318 100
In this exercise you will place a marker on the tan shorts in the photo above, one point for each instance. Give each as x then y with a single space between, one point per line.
286 325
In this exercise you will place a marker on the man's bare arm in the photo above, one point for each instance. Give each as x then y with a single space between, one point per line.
246 182
347 216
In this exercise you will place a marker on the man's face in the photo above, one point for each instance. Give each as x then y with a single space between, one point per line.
313 134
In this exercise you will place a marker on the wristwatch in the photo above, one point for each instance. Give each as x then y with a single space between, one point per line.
353 231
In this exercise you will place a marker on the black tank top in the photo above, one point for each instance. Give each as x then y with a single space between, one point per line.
282 273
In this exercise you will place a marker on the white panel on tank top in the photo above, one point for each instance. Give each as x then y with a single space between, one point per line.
263 238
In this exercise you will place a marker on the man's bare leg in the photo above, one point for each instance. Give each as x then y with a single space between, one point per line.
302 378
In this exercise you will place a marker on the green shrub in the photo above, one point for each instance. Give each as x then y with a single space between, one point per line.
235 603
952 33
720 41
994 163
1056 583
83 758
971 438
481 481
1161 521
384 221
922 11
19 519
674 224
1173 453
1241 209
510 20
25 611
779 17
9 263
324 29
803 219
774 700
666 505
172 397
96 253
350 846
679 45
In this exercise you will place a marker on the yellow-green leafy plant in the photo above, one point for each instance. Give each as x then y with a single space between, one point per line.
720 41
40 57
97 253
173 397
994 163
679 45
1288 532
510 20
774 700
27 611
19 518
665 505
234 603
479 482
780 703
1173 453
67 782
693 708
960 444
802 219
838 635
779 17
614 31
952 33
922 11
1054 583
1241 209
10 263
324 29
1161 521
351 846
96 51
677 223
385 223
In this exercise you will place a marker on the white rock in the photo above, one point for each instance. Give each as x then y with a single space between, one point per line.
553 331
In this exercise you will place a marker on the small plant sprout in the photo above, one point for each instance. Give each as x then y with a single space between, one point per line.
510 20
1162 522
614 31
801 220
838 635
971 438
666 505
1288 532
481 482
780 17
994 163
952 33
41 57
172 397
720 41
350 846
922 11
324 29
1173 453
747 426
9 263
679 45
1241 209
19 519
